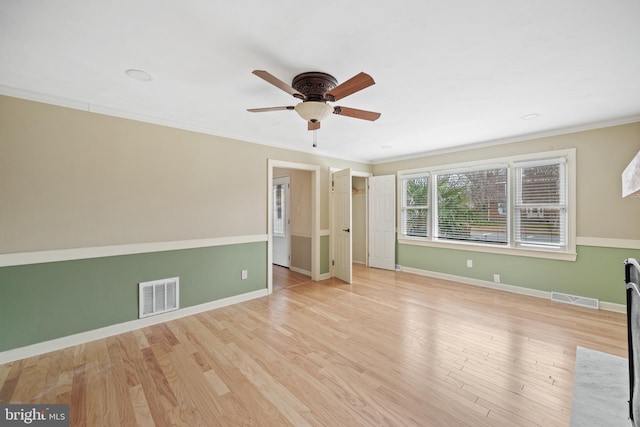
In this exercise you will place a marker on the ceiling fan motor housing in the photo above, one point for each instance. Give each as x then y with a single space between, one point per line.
316 89
314 85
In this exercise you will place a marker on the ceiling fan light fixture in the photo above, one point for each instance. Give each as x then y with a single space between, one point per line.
313 111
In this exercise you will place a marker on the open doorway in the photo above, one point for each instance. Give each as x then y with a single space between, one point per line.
304 226
359 219
281 214
348 215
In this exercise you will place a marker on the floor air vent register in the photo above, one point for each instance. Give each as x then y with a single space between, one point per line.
575 300
159 296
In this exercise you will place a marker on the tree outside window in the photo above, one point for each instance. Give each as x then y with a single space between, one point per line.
472 205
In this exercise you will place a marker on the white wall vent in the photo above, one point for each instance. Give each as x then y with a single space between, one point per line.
159 296
575 300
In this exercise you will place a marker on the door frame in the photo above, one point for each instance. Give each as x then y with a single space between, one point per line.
315 216
331 207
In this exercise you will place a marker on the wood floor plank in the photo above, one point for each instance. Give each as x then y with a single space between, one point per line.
64 370
140 407
4 373
31 384
125 410
245 397
77 401
139 373
99 386
184 411
216 382
390 349
159 395
286 369
11 380
128 352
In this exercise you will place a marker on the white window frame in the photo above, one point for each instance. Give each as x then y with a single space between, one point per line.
568 253
434 189
537 211
403 207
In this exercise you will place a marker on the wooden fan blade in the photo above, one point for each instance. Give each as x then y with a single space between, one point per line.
354 84
354 112
313 125
270 78
262 110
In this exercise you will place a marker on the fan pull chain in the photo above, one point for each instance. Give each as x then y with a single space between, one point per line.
315 138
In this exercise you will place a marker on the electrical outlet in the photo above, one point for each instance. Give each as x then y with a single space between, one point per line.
496 278
245 274
470 263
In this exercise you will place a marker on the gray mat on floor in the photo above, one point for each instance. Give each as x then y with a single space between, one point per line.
600 390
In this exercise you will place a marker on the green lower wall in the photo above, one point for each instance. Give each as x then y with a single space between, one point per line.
324 254
598 272
41 302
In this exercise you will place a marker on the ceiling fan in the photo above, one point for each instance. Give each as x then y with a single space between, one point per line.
315 89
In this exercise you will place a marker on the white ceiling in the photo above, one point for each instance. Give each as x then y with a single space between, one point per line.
448 73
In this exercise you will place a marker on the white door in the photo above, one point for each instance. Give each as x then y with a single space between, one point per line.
341 225
382 222
281 222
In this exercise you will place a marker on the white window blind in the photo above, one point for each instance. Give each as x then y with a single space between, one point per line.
415 206
541 204
472 205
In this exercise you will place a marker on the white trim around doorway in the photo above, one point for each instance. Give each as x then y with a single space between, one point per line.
315 216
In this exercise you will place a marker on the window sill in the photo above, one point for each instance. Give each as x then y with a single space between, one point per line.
502 250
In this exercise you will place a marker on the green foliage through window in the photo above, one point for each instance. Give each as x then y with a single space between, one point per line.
471 205
415 205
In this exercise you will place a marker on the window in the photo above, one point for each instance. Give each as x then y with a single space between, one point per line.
415 205
541 204
523 203
279 220
469 205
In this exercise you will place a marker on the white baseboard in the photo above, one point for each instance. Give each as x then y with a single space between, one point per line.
324 276
608 306
107 331
612 306
301 271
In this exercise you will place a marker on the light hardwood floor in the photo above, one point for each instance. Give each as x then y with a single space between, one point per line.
392 349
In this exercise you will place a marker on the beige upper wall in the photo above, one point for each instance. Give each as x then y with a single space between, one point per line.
72 179
601 156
